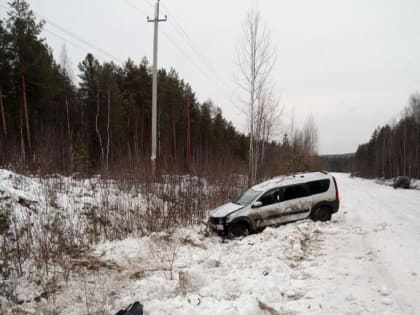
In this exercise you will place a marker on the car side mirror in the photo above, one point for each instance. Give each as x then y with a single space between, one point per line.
257 204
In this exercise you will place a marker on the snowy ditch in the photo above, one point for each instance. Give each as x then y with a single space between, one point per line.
186 272
93 246
73 246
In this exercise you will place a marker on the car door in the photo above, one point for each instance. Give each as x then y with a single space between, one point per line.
270 210
296 202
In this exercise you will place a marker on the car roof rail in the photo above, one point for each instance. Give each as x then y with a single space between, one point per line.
324 172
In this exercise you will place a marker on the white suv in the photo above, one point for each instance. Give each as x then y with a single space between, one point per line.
278 200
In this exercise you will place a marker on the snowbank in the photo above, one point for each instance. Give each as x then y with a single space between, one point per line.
211 277
365 261
414 183
186 272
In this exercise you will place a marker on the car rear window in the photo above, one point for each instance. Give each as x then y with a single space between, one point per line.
319 186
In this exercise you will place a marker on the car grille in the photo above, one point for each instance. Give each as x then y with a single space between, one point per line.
216 220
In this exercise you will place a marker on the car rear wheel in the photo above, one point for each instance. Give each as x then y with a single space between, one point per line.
321 214
237 230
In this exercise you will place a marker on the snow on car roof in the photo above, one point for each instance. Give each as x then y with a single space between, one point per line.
289 180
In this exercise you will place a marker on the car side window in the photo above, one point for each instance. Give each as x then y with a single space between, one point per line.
270 197
294 192
319 186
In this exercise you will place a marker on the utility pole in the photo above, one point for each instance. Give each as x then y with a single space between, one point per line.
156 21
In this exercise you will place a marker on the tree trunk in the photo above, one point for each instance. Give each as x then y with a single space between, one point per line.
108 130
69 133
188 144
136 138
383 156
25 107
98 133
265 135
3 115
390 158
22 140
404 151
174 134
128 133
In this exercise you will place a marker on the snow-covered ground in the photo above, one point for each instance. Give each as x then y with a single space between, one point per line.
370 261
365 261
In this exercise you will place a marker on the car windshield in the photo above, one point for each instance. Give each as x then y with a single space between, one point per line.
247 197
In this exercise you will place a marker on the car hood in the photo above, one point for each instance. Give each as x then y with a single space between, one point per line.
226 209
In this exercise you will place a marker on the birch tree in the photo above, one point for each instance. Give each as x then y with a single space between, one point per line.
310 136
256 58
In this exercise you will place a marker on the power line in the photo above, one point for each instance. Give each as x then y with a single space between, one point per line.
135 7
184 35
72 35
178 28
198 67
149 3
65 39
173 43
75 36
215 78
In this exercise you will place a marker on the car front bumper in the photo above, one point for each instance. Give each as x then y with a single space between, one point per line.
217 227
217 224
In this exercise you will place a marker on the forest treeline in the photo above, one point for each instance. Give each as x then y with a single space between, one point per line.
394 149
338 162
102 124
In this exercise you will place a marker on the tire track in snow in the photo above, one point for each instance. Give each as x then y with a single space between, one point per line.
371 252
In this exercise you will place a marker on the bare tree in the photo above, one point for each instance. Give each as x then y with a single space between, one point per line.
66 72
310 136
267 119
256 59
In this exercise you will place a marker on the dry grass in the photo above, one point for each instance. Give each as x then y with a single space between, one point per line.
54 238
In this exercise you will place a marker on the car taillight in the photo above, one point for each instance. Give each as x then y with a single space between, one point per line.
337 194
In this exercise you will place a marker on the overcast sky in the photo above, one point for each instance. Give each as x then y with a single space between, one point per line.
352 64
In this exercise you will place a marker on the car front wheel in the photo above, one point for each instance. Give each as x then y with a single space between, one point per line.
237 230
